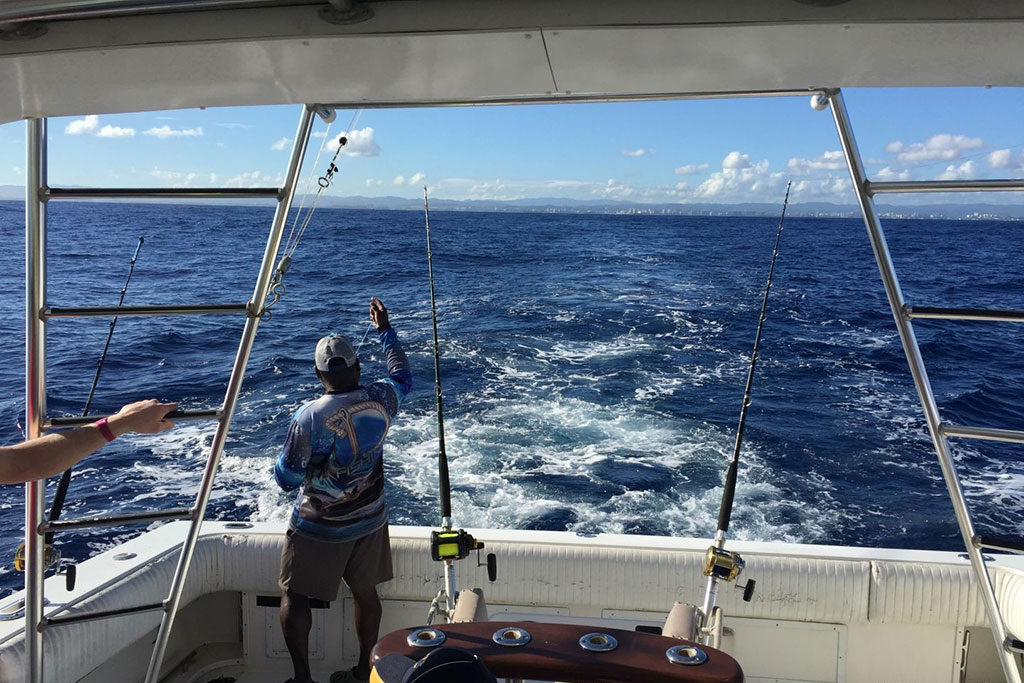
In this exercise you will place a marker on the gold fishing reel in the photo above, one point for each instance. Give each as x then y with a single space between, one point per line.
726 566
51 556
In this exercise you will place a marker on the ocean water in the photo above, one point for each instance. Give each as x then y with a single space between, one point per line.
593 367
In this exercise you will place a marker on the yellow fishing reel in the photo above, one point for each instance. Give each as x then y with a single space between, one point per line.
450 545
726 566
51 556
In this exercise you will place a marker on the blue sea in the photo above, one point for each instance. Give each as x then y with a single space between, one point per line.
593 367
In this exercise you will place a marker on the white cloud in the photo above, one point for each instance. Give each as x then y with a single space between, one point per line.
830 188
253 179
374 182
638 152
941 147
829 161
417 178
691 169
79 126
244 126
889 173
17 170
90 125
115 132
735 160
360 143
280 144
213 178
1000 158
399 180
175 178
319 133
964 171
165 131
682 186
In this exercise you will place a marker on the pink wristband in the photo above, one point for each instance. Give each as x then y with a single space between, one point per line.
104 428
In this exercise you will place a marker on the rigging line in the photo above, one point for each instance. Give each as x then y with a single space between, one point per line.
444 486
324 181
729 491
309 185
65 479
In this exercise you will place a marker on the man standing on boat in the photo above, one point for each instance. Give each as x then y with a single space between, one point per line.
338 528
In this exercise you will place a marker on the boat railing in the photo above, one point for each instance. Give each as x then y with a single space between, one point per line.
1006 644
38 312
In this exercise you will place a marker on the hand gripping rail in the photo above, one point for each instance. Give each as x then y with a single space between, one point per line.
37 315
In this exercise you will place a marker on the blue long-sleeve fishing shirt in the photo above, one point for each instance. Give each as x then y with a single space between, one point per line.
334 454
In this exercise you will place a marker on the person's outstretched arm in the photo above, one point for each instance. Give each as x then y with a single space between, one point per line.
393 390
53 453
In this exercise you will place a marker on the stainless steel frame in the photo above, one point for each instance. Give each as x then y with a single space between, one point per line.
35 386
917 367
259 296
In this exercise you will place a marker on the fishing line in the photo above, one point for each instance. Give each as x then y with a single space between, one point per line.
363 340
301 222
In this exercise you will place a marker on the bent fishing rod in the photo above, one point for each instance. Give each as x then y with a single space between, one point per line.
720 564
446 545
65 479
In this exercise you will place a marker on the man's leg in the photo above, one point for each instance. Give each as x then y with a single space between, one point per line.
296 621
367 618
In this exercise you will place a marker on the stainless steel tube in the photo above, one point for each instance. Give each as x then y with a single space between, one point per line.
259 296
35 388
907 186
917 370
990 315
114 520
121 311
176 415
195 192
986 433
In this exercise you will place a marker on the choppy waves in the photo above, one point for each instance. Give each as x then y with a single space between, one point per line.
593 368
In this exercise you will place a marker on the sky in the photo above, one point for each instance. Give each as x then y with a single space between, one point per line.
716 151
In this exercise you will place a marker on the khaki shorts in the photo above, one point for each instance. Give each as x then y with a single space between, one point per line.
315 568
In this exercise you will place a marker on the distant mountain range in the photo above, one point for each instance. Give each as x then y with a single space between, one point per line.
565 205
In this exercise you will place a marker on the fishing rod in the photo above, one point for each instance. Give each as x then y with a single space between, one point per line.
444 486
65 479
720 564
446 545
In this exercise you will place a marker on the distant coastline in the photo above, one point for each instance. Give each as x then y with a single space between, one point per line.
947 211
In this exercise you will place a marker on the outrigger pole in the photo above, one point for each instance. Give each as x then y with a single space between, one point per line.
721 565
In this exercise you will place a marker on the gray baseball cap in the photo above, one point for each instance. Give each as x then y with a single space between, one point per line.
335 353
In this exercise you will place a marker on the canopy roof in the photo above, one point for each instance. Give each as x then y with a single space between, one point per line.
135 55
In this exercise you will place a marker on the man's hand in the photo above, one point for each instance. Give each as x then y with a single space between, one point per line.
379 314
146 417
